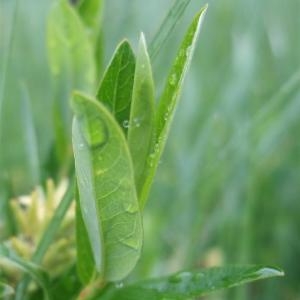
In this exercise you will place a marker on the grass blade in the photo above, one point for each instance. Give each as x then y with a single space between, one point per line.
30 268
5 290
141 125
115 90
48 236
167 26
106 187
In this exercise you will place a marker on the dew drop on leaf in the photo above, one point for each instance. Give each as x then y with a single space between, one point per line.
125 124
173 79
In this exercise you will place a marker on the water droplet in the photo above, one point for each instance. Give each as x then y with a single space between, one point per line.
188 51
119 285
125 124
81 146
151 159
173 79
180 277
136 122
166 116
156 148
131 208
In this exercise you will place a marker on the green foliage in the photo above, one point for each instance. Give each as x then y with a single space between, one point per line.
107 194
115 90
119 135
39 275
189 285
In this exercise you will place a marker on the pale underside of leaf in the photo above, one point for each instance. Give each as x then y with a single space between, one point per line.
107 194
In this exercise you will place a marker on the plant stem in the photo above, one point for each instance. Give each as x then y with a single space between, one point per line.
47 237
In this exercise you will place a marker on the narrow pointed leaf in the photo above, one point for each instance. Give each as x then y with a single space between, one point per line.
30 268
170 97
115 90
189 285
5 290
107 195
141 125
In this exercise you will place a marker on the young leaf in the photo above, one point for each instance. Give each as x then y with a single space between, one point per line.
187 285
170 96
107 195
72 65
91 12
115 90
141 125
5 290
32 269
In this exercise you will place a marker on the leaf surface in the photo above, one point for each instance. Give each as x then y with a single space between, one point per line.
169 99
72 64
187 285
141 125
107 194
115 90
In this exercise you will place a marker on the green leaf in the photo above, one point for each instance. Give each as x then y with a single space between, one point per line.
115 90
141 125
106 187
85 261
91 14
32 269
187 285
72 64
170 97
5 290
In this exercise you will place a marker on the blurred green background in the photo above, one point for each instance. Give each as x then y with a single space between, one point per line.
228 186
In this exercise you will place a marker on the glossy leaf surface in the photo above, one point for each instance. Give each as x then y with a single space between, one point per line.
107 193
141 125
170 97
115 90
187 285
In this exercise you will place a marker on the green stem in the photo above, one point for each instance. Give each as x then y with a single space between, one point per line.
47 237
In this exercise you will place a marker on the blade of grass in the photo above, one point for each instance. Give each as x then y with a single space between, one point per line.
48 237
167 27
6 60
33 270
5 290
